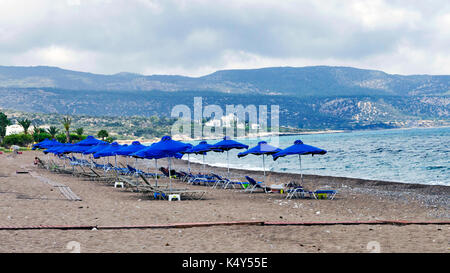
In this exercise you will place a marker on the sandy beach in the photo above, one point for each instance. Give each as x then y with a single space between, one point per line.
25 200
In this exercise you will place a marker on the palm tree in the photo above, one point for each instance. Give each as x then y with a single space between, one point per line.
66 122
25 123
52 131
36 132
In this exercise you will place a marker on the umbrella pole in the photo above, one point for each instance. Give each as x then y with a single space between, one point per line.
300 162
189 164
204 164
228 165
264 170
156 172
170 176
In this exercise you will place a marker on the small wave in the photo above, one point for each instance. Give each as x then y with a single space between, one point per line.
435 167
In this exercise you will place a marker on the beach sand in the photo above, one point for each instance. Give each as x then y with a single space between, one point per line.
26 200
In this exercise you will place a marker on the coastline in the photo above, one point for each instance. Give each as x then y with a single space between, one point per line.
268 134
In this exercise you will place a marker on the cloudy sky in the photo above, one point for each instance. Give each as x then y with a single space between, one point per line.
195 38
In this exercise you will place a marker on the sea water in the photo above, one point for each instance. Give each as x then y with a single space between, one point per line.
419 155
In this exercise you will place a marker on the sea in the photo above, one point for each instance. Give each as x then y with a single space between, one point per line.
416 155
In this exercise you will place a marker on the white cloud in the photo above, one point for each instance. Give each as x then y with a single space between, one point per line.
198 37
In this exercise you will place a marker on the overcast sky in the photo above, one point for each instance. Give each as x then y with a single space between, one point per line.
195 38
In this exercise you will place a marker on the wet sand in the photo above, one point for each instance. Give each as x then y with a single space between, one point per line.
28 201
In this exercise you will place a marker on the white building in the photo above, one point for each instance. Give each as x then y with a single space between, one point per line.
17 129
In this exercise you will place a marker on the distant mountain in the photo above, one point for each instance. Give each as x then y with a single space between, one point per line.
292 81
319 97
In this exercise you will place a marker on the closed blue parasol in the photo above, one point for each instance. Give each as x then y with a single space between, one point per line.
226 145
299 149
261 149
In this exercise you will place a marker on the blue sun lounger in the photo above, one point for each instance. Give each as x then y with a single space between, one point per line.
256 185
296 190
206 180
324 194
226 182
134 171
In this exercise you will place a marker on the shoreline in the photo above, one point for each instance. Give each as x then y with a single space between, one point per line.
317 175
180 138
372 182
428 195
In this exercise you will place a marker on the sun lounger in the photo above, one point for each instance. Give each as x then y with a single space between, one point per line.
134 171
201 179
324 194
225 182
173 173
254 185
164 192
295 190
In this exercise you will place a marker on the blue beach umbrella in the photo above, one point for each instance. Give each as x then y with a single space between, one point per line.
226 145
54 149
45 144
58 150
66 148
166 147
261 149
130 149
90 141
109 151
149 153
80 149
202 148
299 149
96 148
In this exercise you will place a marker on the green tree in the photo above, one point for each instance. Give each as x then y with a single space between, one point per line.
4 122
25 123
53 131
66 122
17 139
36 132
110 139
79 131
102 134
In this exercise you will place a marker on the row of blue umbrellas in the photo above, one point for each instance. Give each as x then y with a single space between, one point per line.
168 148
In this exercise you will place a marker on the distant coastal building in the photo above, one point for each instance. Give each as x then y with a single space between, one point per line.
16 129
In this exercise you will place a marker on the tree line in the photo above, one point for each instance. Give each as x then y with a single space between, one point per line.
27 137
